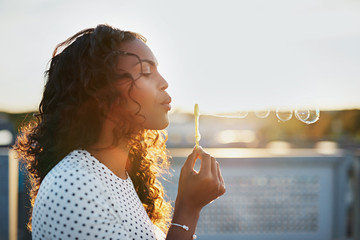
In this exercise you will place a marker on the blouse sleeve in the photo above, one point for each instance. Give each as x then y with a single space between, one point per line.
75 206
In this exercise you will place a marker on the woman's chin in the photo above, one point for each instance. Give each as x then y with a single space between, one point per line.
166 123
159 125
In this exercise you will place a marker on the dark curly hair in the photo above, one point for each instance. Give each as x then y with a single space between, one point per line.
78 95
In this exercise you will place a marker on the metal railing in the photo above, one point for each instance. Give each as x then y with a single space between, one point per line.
297 195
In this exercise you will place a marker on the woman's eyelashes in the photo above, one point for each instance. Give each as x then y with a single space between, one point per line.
148 67
147 70
148 73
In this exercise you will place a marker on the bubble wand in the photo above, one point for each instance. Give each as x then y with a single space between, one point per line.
197 133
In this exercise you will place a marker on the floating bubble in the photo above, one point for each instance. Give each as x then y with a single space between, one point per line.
238 114
262 113
314 115
302 114
284 114
308 116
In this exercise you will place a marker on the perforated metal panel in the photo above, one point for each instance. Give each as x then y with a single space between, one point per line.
271 198
267 204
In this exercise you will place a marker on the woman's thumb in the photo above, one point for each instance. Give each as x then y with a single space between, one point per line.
190 161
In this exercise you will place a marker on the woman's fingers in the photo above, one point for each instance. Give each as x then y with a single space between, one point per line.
197 189
205 167
222 188
209 166
190 161
214 170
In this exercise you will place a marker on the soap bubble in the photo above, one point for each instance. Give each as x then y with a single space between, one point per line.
262 113
308 116
238 114
314 115
284 114
302 114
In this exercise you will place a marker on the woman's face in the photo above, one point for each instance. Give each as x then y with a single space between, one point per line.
149 88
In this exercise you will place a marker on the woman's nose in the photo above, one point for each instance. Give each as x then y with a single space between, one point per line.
164 84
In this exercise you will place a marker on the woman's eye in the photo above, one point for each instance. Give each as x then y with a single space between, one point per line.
146 71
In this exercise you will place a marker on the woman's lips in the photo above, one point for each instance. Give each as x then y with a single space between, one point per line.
166 106
166 103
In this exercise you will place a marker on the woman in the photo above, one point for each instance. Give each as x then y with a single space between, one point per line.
96 148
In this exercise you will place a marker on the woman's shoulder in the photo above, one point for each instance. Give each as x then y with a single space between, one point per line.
75 174
70 175
82 172
72 199
70 184
77 164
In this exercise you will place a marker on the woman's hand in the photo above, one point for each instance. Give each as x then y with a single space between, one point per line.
197 189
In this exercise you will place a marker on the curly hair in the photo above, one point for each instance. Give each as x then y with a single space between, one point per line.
77 96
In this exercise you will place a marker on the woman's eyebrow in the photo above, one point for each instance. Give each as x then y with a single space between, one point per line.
151 62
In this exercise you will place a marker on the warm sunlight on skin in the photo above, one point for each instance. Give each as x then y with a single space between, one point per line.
149 90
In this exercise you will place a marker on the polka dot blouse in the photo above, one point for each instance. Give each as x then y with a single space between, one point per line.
80 198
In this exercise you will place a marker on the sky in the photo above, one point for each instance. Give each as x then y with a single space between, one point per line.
223 55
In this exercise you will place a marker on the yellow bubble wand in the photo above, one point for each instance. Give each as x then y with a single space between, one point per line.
197 133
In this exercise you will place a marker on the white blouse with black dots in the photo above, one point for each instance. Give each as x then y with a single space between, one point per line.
80 198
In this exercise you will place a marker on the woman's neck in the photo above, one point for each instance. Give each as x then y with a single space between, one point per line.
113 157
